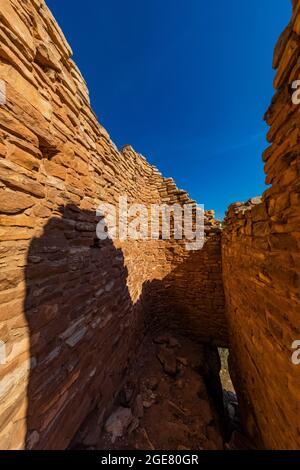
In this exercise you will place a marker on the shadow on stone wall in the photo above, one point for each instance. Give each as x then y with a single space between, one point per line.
84 328
191 297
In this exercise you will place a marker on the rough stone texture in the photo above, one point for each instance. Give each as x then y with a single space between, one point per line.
261 263
193 285
166 412
72 311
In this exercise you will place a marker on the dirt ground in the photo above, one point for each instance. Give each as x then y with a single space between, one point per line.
164 405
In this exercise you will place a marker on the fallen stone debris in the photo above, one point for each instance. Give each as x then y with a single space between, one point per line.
165 404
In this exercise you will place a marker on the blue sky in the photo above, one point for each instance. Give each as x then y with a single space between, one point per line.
185 82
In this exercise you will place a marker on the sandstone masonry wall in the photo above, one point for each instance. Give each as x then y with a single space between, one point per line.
261 262
72 311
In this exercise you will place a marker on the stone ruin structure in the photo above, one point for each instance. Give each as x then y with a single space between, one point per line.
73 312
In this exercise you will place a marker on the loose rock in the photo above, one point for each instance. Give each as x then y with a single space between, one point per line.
167 360
118 422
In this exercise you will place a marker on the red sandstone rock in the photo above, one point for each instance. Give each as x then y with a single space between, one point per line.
167 360
118 422
63 302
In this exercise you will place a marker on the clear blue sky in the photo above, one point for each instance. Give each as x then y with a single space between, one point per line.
185 82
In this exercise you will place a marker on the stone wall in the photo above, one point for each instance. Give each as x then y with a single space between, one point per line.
73 310
261 260
194 285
